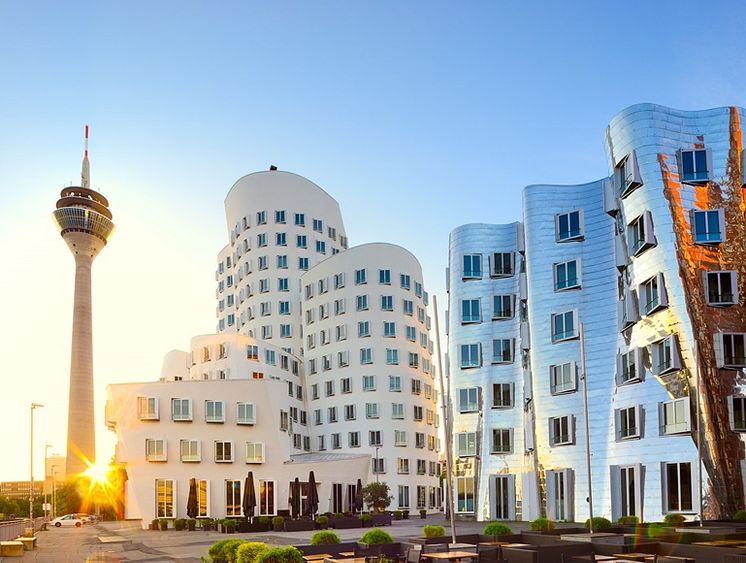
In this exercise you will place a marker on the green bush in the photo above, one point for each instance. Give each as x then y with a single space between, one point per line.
542 525
249 551
263 520
366 518
322 520
655 531
338 515
154 524
180 524
599 523
163 523
280 555
628 520
397 514
376 535
278 521
230 550
496 529
434 531
215 551
229 524
324 538
740 516
674 519
191 524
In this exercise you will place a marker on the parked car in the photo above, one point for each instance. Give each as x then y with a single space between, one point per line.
87 518
68 520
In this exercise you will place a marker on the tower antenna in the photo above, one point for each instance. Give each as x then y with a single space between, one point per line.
85 175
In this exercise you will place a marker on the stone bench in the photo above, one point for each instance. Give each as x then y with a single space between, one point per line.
11 549
29 544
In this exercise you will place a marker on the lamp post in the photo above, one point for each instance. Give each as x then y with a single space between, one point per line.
54 491
46 478
378 467
31 488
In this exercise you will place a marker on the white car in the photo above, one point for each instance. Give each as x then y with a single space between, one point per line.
68 520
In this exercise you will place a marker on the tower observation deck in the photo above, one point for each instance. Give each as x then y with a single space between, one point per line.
85 223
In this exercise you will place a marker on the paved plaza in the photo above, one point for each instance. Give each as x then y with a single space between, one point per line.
126 541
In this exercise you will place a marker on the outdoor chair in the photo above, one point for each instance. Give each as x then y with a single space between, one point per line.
414 555
434 548
488 555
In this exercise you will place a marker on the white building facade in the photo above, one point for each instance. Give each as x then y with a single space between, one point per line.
651 261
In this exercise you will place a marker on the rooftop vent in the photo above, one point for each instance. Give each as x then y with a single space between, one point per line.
272 167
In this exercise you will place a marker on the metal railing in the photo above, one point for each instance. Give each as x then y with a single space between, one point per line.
11 529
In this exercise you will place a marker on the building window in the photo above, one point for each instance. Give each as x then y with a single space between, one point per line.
155 450
336 441
408 308
329 388
397 411
502 264
471 311
389 329
147 408
214 411
395 383
695 165
371 410
374 438
730 349
468 399
387 303
223 452
502 442
640 234
281 239
417 413
300 219
502 307
318 225
181 410
471 356
678 487
353 439
708 226
666 356
564 326
404 495
384 277
165 498
569 226
301 241
346 385
350 412
561 430
392 356
562 378
502 395
653 295
343 359
466 444
245 413
361 302
266 497
629 367
721 288
416 387
566 275
369 383
402 466
465 494
405 281
628 423
379 465
361 277
627 175
472 266
737 412
189 450
502 351
400 438
674 416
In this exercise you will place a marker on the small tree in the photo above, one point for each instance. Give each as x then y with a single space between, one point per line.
376 495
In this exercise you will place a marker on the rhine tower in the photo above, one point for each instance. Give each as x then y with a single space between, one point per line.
85 223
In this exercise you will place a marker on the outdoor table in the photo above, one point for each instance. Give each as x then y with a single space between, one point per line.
348 560
635 556
450 555
517 545
347 553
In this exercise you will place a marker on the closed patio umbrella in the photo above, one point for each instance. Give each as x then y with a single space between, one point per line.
249 496
313 496
192 498
359 496
295 499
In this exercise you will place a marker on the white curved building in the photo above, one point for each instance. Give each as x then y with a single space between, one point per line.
369 372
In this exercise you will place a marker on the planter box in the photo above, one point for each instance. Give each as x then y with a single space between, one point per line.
249 527
300 525
381 520
346 522
279 527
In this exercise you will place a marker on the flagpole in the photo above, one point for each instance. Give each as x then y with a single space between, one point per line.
584 375
699 436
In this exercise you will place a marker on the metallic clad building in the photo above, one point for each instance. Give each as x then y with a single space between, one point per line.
84 221
651 261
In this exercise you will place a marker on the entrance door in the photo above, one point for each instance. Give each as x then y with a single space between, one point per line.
337 498
560 501
503 497
626 490
628 494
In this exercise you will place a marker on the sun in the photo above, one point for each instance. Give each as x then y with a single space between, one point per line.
98 473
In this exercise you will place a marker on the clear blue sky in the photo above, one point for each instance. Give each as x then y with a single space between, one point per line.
416 116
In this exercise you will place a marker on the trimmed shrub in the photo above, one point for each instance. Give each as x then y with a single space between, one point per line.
280 555
397 514
263 520
369 518
278 520
215 551
163 523
322 520
230 550
180 524
326 537
376 535
599 523
674 519
628 520
154 524
542 525
740 516
496 529
434 531
191 524
249 551
229 524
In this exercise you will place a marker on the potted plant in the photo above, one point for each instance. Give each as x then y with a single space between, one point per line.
288 554
191 524
494 529
542 524
423 513
163 524
207 524
366 520
405 514
434 531
154 524
674 519
375 536
180 524
397 514
263 523
322 522
600 524
227 526
278 524
326 537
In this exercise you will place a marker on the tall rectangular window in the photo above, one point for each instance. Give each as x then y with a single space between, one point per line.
627 423
501 442
165 498
471 356
678 493
502 395
361 277
562 378
569 226
721 288
502 351
566 275
266 497
502 307
384 277
561 429
472 264
737 407
471 311
563 326
694 166
466 444
468 399
502 264
465 494
674 416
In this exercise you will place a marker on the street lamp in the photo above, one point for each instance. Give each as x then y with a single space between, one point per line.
31 488
46 477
